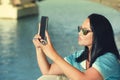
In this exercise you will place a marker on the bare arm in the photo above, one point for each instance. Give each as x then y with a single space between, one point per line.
44 65
42 61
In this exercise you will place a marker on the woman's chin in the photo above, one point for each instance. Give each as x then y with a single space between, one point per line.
79 43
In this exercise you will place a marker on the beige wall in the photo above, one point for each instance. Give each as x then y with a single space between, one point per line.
26 1
111 3
15 1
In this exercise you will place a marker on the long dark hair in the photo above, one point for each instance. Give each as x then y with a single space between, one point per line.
103 39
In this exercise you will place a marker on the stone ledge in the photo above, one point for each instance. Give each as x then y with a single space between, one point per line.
11 12
111 3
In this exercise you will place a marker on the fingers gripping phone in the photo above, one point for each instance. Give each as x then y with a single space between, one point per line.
42 27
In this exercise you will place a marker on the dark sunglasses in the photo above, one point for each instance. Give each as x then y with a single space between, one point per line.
84 31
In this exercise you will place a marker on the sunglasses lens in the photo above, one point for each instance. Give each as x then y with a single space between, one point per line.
85 32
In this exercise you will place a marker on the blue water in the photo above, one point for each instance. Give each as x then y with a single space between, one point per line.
17 53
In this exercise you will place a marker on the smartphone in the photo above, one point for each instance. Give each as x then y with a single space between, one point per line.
42 27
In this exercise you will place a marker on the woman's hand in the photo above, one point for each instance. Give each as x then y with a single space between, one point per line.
36 41
48 48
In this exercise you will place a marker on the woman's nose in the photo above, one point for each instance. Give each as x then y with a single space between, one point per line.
80 33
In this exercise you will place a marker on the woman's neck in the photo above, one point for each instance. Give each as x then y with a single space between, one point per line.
89 57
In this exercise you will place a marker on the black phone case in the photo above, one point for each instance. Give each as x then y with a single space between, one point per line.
43 27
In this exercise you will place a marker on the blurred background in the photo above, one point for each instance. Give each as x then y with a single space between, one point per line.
17 52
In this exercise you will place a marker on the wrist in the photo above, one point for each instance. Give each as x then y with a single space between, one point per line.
55 56
38 49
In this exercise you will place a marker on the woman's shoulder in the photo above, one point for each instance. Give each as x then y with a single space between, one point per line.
107 64
108 56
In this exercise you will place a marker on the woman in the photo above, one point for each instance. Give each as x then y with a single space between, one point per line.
98 61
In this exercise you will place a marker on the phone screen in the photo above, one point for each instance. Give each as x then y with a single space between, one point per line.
43 26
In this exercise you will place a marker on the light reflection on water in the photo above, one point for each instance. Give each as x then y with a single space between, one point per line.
17 53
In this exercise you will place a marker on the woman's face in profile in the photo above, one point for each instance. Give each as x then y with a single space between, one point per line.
85 36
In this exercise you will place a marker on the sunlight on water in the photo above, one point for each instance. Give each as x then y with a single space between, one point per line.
17 54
